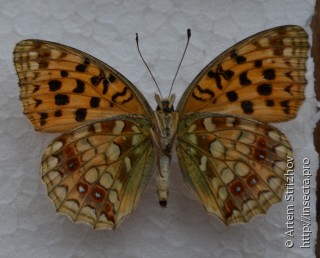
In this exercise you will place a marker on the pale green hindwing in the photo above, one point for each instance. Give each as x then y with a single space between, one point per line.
235 165
97 172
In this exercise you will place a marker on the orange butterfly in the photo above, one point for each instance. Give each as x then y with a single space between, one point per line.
112 141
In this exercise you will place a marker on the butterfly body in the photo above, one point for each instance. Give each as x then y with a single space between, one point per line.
165 121
112 141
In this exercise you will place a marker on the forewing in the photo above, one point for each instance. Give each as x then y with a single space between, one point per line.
262 77
61 87
97 172
235 165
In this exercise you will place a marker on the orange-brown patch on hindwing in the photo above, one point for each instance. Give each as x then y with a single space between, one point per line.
229 208
197 126
124 142
117 127
252 180
260 151
109 212
98 194
72 164
69 152
236 188
107 126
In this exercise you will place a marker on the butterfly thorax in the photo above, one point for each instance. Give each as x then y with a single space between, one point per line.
165 121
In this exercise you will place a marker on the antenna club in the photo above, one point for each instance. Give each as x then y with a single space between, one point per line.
184 52
147 65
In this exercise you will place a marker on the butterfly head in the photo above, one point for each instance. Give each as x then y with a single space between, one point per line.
165 104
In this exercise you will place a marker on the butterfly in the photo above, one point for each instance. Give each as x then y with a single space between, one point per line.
113 142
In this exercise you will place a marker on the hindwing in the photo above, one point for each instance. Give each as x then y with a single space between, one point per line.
97 172
235 165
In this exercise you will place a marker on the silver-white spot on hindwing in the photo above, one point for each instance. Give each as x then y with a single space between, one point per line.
192 128
217 149
113 152
127 161
207 122
97 127
241 168
230 121
91 175
117 129
106 180
203 163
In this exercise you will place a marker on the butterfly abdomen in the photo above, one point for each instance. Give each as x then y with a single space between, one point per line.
165 121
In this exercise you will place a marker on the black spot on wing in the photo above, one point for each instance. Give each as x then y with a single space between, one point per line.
240 59
285 105
61 99
64 73
247 107
54 85
288 89
86 61
211 74
216 76
258 63
244 80
36 88
81 68
196 97
228 74
58 113
205 91
43 64
43 117
289 75
38 102
269 103
269 74
112 78
81 114
264 89
94 102
121 94
105 86
95 80
232 96
80 86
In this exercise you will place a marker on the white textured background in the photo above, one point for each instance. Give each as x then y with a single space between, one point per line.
29 226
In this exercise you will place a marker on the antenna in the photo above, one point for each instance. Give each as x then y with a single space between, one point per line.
185 49
137 40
